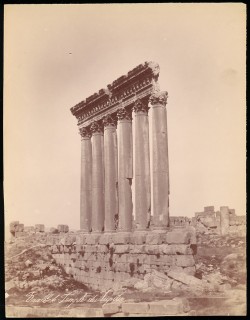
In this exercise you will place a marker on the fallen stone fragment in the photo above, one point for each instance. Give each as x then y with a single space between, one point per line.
28 263
111 308
140 285
185 278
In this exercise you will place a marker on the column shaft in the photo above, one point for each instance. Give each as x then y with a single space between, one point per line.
86 181
125 170
110 160
142 167
97 181
160 168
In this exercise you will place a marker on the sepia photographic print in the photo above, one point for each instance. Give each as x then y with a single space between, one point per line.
125 160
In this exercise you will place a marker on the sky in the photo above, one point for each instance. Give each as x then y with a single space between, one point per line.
57 55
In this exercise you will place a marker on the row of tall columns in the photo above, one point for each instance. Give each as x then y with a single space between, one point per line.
107 170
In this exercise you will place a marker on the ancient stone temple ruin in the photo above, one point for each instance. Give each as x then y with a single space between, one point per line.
124 209
105 121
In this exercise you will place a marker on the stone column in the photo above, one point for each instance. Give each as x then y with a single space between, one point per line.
97 178
160 168
125 169
142 168
224 220
110 167
86 180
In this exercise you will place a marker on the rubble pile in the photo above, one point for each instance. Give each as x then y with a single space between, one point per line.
30 265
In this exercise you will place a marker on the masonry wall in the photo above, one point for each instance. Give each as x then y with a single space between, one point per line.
100 261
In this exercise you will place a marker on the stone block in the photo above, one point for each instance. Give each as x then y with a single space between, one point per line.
92 238
172 249
185 278
178 237
209 209
122 248
110 308
189 270
165 307
168 260
138 238
121 238
152 249
105 239
184 260
135 307
102 248
140 248
154 238
39 228
80 239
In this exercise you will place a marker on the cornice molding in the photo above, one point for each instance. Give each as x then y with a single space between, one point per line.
140 82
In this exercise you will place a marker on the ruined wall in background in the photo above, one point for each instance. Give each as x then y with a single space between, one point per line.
222 222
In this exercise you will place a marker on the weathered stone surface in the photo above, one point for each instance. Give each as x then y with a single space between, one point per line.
97 218
177 237
133 307
125 175
122 248
185 303
224 220
154 238
172 249
165 307
105 239
141 167
138 238
110 308
92 238
184 260
185 278
111 174
152 249
160 166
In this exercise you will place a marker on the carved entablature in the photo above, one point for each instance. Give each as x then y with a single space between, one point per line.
158 97
108 120
85 132
139 106
123 114
141 81
96 127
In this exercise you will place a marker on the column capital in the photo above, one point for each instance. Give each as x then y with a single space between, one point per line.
85 133
140 107
96 127
158 97
108 120
123 114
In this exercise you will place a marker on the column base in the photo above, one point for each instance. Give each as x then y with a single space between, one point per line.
124 231
109 231
83 231
96 232
160 229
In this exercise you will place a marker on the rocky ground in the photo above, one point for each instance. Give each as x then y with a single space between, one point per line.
218 288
